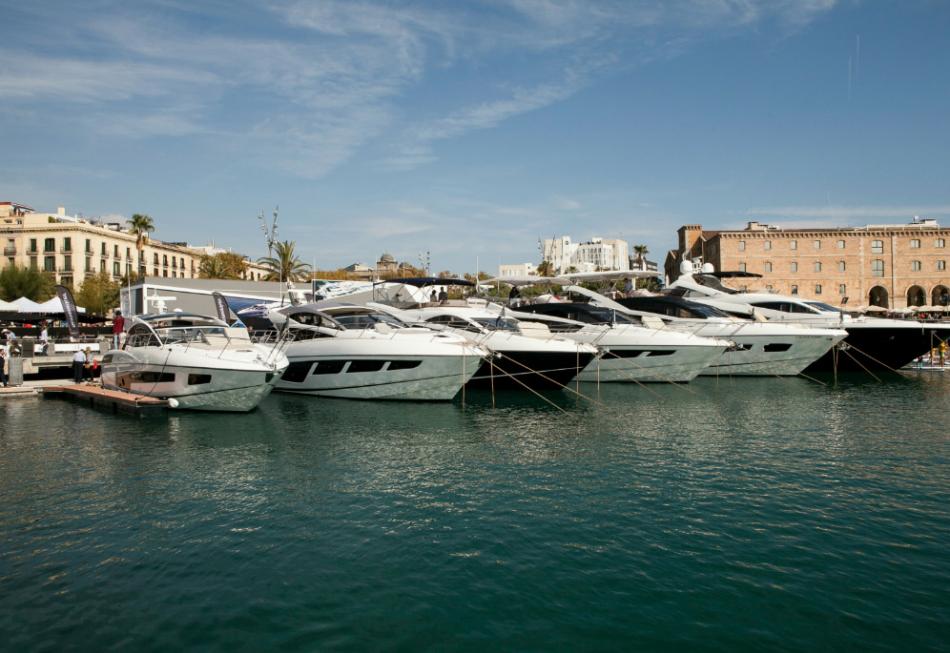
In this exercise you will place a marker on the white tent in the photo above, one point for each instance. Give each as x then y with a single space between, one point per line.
24 305
55 305
7 307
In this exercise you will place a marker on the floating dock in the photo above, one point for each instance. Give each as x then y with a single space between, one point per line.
111 400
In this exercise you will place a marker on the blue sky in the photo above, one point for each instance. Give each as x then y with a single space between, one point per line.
471 129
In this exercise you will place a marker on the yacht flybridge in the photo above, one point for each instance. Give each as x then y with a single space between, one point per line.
359 352
871 344
760 348
195 362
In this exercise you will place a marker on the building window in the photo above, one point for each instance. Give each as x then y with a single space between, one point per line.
67 244
877 246
840 244
842 266
915 266
102 249
940 242
49 245
182 264
817 244
49 263
165 260
794 290
768 266
768 245
941 265
742 267
877 268
741 245
115 251
102 266
915 243
794 266
817 288
174 263
154 272
817 266
89 246
88 264
793 244
67 264
115 269
842 289
128 253
155 258
164 273
769 288
32 245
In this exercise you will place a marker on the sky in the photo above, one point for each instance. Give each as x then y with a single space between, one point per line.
472 129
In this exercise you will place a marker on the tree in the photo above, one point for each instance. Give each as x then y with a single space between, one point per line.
140 225
641 251
546 269
98 294
224 265
285 266
16 282
446 274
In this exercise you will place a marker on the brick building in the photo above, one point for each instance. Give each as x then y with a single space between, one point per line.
891 265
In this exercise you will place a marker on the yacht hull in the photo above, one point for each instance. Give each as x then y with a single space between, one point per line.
224 390
434 378
879 349
651 364
537 370
771 355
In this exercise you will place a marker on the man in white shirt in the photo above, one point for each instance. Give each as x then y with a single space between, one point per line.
44 340
79 362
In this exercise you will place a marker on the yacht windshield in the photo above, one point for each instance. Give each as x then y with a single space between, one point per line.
366 320
498 323
821 306
710 281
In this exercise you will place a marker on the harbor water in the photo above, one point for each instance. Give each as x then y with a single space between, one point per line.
726 515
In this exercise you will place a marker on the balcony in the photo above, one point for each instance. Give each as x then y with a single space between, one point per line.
9 250
65 250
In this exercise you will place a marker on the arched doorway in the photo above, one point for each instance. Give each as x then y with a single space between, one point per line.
916 296
940 296
878 297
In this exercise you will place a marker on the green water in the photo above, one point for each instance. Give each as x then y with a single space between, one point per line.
731 515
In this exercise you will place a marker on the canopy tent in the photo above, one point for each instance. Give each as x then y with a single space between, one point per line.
7 307
55 305
24 305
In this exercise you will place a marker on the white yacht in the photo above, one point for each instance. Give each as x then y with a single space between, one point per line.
523 354
359 352
195 362
760 349
872 344
632 350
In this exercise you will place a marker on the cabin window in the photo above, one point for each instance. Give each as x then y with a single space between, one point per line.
199 379
365 366
777 346
403 365
329 367
297 371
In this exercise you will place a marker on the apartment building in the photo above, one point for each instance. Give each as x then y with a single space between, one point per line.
888 265
591 256
70 248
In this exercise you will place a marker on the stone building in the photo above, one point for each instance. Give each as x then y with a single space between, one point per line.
889 265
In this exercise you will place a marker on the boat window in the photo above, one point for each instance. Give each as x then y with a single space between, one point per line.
366 320
455 322
312 319
365 366
307 334
144 377
141 336
403 365
785 307
821 306
297 371
498 323
777 346
199 379
329 367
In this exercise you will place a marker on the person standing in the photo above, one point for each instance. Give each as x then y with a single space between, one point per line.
3 363
44 339
79 364
118 326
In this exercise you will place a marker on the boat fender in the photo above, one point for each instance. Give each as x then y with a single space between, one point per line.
172 402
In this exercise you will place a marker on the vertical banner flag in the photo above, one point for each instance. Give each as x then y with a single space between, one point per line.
221 307
69 308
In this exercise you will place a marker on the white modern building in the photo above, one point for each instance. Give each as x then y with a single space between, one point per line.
510 270
592 256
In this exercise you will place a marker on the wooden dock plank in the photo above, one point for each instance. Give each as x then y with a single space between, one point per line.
99 396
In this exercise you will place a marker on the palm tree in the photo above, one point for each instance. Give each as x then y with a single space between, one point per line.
546 269
140 225
285 266
641 251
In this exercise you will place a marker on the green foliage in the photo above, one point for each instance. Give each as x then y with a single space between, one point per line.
98 294
16 282
141 225
546 269
285 266
225 265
